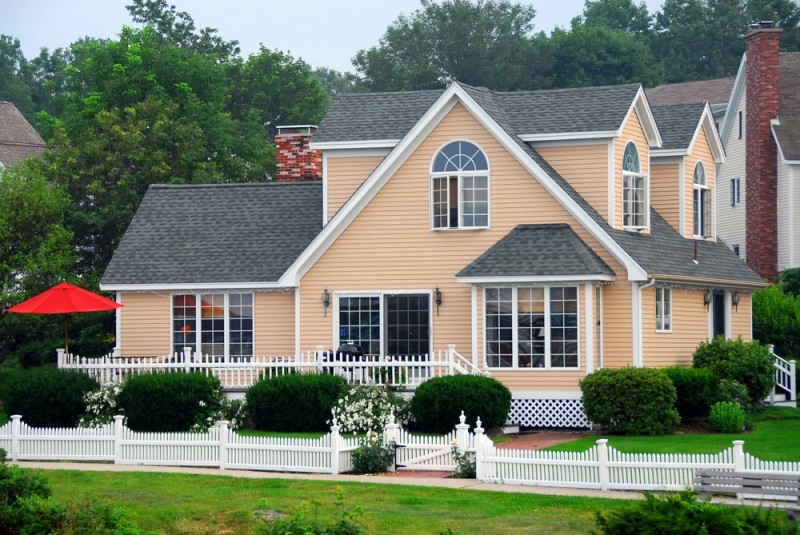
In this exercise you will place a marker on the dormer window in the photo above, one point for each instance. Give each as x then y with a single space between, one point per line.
634 190
701 203
460 187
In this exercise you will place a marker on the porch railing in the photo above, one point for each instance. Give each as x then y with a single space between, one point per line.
403 372
785 377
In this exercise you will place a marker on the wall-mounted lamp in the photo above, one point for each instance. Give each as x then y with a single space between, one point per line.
326 300
735 300
707 297
437 299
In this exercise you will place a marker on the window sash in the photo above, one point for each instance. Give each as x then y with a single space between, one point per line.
736 185
217 325
460 201
634 200
536 327
701 201
663 309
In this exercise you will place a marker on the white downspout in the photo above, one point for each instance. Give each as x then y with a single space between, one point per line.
638 359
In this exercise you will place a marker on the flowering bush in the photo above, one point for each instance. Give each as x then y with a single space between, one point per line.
366 408
101 405
210 414
465 464
372 456
730 390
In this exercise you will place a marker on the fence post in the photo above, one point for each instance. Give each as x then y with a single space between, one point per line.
15 433
391 436
602 462
462 433
118 429
223 444
335 447
738 455
480 454
187 356
793 379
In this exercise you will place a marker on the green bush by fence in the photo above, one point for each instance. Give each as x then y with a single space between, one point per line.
630 401
437 402
696 389
295 402
48 397
749 363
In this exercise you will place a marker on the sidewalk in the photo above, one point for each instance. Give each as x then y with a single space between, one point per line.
414 479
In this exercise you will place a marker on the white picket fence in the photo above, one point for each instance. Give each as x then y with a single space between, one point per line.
600 467
405 372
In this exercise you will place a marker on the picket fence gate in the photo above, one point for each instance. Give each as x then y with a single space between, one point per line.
600 467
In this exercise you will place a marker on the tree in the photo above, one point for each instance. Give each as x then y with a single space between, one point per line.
15 82
480 43
784 13
620 15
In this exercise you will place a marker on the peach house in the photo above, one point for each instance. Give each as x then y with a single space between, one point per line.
535 235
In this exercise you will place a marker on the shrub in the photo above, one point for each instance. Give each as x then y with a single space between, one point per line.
366 408
730 390
726 417
776 318
101 405
294 402
373 456
438 402
682 514
168 401
631 401
465 463
749 363
696 389
306 521
49 397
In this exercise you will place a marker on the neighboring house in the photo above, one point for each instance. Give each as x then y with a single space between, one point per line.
716 92
758 212
544 234
18 139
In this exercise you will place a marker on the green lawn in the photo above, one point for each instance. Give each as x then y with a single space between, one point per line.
775 437
179 503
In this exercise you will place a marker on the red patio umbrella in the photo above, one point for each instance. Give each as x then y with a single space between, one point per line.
65 298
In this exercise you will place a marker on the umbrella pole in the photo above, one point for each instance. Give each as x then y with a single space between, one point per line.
66 335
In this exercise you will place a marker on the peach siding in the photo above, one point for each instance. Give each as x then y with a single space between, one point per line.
391 248
689 326
344 175
145 324
584 173
617 327
663 191
741 317
273 323
632 131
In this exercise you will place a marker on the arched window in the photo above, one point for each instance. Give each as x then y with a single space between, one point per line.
460 187
701 202
634 190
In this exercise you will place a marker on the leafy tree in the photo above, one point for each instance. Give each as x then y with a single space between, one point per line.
480 43
784 13
776 320
15 82
36 251
789 280
620 15
336 82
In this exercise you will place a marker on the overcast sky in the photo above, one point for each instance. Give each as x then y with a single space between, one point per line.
324 33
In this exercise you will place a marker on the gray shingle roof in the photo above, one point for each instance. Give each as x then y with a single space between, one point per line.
233 233
788 132
717 91
538 250
677 123
18 139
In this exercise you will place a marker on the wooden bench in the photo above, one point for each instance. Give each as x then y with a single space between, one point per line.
750 484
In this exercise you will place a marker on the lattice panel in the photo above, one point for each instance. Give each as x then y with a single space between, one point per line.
548 413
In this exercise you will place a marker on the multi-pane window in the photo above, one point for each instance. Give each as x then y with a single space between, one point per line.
634 190
663 309
460 187
736 191
532 327
701 202
217 325
360 322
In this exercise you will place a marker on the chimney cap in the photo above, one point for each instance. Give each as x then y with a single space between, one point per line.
297 129
762 25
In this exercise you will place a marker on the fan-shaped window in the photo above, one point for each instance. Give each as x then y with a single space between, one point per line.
634 190
701 202
460 187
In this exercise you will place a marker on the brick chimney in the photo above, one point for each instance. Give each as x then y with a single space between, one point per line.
296 160
762 46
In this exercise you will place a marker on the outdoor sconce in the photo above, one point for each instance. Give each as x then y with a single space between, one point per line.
326 300
735 300
707 298
437 299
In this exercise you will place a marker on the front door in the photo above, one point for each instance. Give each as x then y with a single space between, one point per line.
718 319
389 324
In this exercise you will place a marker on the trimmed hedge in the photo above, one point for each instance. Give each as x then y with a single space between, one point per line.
630 401
294 403
48 397
167 401
696 389
749 363
438 402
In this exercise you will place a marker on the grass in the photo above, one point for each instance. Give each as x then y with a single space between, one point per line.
181 503
775 437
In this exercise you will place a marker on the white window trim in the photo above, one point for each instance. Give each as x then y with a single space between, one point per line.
515 331
646 187
460 175
736 191
198 344
660 322
697 190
